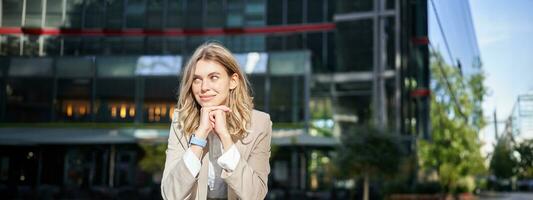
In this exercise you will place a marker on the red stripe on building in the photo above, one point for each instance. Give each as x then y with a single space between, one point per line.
168 32
420 40
420 93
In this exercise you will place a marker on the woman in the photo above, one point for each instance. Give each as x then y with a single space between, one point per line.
218 146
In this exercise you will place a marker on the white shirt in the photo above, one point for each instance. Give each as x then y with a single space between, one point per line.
227 161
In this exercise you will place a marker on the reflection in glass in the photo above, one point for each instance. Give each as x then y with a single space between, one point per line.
75 110
174 14
158 65
255 11
258 90
286 102
29 99
33 13
114 14
94 13
135 11
114 99
11 13
73 99
354 42
350 6
159 111
159 98
54 13
215 12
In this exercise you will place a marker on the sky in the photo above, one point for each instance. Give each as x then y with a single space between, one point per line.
504 32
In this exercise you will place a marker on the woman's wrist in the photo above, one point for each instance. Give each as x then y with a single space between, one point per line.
201 133
227 141
197 151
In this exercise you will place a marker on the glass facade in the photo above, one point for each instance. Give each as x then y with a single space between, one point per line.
140 89
315 65
519 125
92 47
454 38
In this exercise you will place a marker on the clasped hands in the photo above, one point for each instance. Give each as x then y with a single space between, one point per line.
213 119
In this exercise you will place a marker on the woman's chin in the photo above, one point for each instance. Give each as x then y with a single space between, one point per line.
206 104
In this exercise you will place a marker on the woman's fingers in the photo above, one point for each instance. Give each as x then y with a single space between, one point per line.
213 117
212 108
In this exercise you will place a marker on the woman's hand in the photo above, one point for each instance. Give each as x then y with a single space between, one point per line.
218 120
207 123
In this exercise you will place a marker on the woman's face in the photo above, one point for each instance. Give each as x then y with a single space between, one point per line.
211 83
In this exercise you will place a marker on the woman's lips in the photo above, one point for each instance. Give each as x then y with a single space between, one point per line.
206 98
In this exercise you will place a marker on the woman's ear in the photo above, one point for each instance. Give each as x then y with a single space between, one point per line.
234 81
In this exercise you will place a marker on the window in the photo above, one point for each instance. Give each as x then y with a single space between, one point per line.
115 89
29 90
174 45
275 12
11 13
114 14
71 45
30 45
254 43
349 6
155 13
257 82
91 45
214 13
135 11
34 10
287 77
160 97
315 11
355 43
133 45
54 13
234 17
74 12
10 45
255 13
174 12
94 14
154 45
194 14
315 43
294 11
52 46
113 45
74 88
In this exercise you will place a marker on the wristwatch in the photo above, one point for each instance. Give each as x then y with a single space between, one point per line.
197 141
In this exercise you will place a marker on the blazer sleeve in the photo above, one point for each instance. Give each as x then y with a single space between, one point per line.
249 180
177 181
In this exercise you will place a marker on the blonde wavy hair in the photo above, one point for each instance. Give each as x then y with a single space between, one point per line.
239 101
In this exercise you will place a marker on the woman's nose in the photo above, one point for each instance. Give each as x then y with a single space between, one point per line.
205 86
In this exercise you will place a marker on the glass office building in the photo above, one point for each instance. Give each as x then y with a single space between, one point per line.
452 34
519 125
99 76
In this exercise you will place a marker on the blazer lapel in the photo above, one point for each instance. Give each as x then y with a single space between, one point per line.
202 178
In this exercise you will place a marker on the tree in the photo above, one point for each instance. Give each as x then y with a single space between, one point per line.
503 163
525 162
456 119
153 160
369 153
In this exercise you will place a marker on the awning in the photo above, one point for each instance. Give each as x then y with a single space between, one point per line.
35 136
298 137
40 136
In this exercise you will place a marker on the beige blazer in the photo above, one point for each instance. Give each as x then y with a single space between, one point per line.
248 180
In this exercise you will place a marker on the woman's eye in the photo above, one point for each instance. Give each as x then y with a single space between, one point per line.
196 80
214 77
